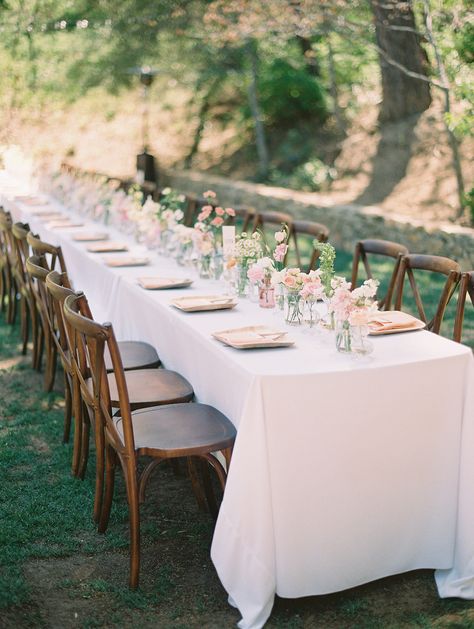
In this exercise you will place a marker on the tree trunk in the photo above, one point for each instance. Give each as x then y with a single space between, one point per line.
261 141
338 115
202 116
312 65
397 39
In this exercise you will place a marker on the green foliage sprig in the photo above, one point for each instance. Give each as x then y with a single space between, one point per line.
326 264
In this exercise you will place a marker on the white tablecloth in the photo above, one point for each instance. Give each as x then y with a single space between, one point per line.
344 470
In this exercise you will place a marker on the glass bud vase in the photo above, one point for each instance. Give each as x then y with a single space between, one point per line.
242 280
293 312
310 314
266 295
343 337
360 343
204 266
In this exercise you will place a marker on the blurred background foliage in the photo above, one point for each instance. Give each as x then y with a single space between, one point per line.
281 72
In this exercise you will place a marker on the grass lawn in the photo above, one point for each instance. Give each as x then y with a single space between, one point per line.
57 571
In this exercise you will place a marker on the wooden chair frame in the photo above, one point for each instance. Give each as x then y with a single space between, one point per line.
384 248
7 290
317 231
434 264
466 287
89 340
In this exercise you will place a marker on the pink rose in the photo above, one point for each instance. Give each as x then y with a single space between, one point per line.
209 194
230 211
217 222
220 211
255 273
289 281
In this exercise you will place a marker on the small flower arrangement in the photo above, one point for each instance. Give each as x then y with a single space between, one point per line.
248 248
313 288
355 306
169 210
261 271
281 238
212 217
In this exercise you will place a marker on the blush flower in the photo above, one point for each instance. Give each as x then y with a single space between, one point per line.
220 211
280 252
230 211
217 221
209 194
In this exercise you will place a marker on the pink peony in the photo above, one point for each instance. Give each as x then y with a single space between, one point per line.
280 252
289 281
209 194
217 221
230 211
255 273
220 211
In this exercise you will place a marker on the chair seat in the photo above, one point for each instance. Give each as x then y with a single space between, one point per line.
180 430
135 355
151 387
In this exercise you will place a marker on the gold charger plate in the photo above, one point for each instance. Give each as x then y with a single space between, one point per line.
90 237
411 324
126 261
107 247
162 283
254 337
203 303
63 224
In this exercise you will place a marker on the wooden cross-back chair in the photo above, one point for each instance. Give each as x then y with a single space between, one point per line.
7 295
315 231
28 309
466 289
244 216
147 386
434 264
53 255
378 248
37 269
166 432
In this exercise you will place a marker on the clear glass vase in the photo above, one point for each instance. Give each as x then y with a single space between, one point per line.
204 266
242 281
353 339
311 315
293 309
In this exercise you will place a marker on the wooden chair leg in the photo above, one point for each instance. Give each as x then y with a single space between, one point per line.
24 324
99 467
134 523
208 489
85 437
110 465
196 482
51 360
67 410
11 312
78 427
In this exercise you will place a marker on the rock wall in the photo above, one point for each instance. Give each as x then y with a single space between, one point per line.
347 223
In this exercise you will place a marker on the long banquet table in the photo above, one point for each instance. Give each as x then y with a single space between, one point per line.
344 470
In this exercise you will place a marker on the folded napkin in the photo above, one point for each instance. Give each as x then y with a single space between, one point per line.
392 320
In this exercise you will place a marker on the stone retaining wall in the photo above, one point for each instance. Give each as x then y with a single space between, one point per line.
347 223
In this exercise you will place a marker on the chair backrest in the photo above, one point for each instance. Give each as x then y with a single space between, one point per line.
58 288
434 264
5 235
466 288
88 342
272 219
385 248
20 252
244 215
316 231
53 255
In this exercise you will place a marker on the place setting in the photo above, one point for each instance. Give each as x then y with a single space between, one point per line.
163 283
202 303
90 236
107 247
125 261
254 337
